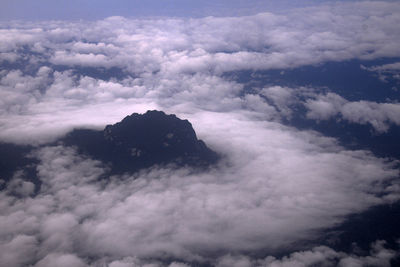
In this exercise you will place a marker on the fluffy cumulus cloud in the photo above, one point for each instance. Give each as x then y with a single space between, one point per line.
275 187
237 207
379 115
318 256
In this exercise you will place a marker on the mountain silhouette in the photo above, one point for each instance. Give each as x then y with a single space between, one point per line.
141 141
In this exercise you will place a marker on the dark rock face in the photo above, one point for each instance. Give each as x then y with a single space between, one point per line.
140 141
137 142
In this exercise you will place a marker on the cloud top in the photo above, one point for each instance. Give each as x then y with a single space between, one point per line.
277 185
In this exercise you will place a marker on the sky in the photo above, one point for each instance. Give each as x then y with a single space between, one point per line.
99 9
279 191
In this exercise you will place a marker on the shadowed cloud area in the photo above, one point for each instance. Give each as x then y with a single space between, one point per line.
283 150
139 141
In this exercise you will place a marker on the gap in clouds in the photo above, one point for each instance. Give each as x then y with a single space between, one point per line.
297 94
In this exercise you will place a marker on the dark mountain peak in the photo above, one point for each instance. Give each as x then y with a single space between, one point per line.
143 140
149 115
150 127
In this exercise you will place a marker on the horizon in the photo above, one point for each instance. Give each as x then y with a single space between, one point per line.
42 10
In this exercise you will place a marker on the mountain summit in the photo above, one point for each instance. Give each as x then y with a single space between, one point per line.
143 140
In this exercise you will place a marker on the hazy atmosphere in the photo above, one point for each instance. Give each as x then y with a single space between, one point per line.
300 99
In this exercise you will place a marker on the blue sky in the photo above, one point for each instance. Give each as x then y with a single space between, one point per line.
98 9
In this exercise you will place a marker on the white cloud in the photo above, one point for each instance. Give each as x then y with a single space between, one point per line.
77 59
275 186
325 106
318 256
10 57
17 185
302 36
391 70
173 63
266 195
162 55
387 67
61 260
19 251
282 97
379 115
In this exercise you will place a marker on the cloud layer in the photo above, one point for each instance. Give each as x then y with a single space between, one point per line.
61 70
276 186
240 206
379 115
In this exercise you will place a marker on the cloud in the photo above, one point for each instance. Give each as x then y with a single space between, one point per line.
387 67
384 71
174 64
328 32
19 251
61 260
10 57
379 115
77 59
324 107
318 256
19 186
266 196
156 56
276 185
